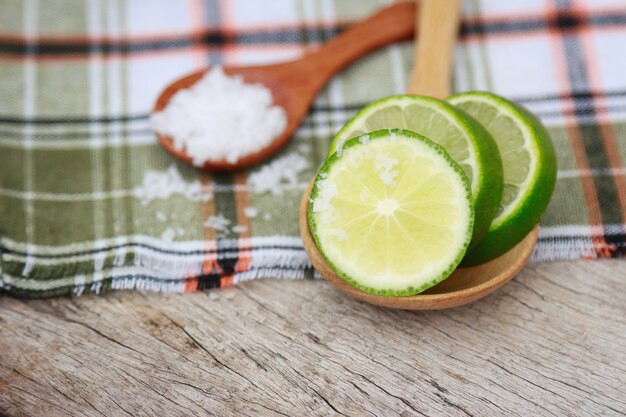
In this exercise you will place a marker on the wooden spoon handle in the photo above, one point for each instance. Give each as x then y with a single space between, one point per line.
438 23
389 25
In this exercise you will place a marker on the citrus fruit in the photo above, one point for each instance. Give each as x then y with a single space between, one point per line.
465 140
391 212
529 163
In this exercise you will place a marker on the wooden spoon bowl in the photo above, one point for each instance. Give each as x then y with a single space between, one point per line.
463 286
295 84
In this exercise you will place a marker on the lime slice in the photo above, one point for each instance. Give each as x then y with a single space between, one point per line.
529 165
467 142
391 212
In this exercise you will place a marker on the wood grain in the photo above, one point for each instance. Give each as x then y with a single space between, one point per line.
551 342
438 23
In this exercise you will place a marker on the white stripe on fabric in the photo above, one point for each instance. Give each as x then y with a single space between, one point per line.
336 98
594 172
120 253
94 142
31 8
460 74
191 245
281 264
32 196
179 264
398 75
96 100
564 250
117 171
103 195
137 282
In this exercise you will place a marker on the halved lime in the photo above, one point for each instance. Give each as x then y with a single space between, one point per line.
467 142
391 212
529 163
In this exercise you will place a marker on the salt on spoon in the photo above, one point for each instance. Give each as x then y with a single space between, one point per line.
220 118
294 86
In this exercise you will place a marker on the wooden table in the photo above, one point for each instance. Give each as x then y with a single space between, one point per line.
551 342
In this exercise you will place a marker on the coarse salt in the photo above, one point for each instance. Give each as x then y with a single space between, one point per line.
220 118
279 175
168 235
218 223
240 228
384 166
250 212
163 184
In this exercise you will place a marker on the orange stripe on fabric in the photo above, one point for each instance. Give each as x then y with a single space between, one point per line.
227 50
609 138
228 31
574 134
209 262
197 15
227 19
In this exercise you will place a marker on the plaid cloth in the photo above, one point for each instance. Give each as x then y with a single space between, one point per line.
78 79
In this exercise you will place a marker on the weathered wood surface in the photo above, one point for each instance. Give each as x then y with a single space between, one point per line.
551 342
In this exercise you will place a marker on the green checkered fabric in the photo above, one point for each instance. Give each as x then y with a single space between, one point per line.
78 80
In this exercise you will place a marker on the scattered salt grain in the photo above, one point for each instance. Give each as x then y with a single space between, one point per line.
339 233
279 175
267 217
384 166
220 118
163 184
326 191
240 228
365 138
250 212
304 148
218 223
168 234
161 216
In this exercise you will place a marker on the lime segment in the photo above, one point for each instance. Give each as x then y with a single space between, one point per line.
391 213
463 138
529 163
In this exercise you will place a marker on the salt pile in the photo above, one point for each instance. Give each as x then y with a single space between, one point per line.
220 118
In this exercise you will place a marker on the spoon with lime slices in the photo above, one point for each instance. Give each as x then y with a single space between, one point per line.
391 213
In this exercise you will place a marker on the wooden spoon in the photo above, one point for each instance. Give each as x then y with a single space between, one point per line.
438 26
295 84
